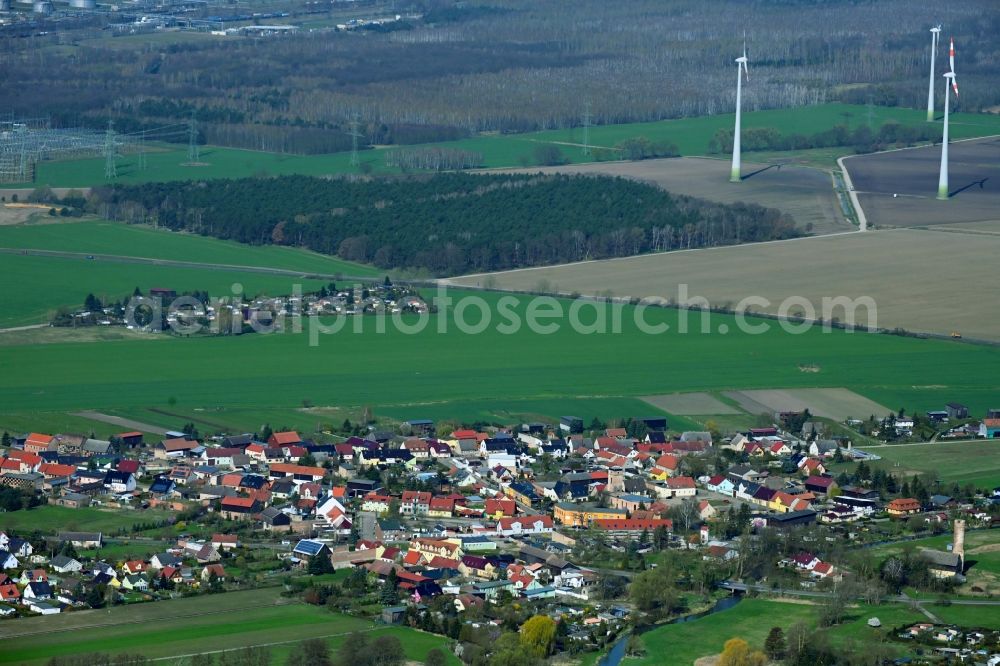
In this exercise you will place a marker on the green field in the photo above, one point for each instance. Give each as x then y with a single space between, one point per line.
190 626
112 238
982 549
35 287
468 375
963 462
60 422
90 519
752 619
691 135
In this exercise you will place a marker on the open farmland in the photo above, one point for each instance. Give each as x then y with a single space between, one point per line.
899 188
35 286
51 518
838 404
962 462
920 280
690 404
752 619
182 627
804 193
443 372
100 237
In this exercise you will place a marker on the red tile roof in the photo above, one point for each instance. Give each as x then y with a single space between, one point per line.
633 524
287 437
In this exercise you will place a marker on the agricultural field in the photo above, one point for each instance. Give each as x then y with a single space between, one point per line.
838 404
100 237
183 627
961 462
50 518
36 286
447 375
691 135
690 403
64 422
752 619
899 188
853 265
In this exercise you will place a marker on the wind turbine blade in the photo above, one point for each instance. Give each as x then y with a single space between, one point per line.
746 71
954 86
951 54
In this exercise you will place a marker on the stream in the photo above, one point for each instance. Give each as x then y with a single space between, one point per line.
617 652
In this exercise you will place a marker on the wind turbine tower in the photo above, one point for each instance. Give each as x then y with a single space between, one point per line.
953 84
741 69
935 32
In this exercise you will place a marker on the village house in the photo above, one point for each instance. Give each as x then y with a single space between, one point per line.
535 524
239 508
903 506
415 503
582 515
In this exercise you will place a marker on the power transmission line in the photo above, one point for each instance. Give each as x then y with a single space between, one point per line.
110 168
355 135
193 152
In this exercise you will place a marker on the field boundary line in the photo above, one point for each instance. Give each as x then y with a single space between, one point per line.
261 645
450 281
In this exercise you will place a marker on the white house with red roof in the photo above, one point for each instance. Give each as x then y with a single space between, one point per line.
535 524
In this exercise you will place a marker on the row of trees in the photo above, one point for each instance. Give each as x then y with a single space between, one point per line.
433 159
447 223
863 139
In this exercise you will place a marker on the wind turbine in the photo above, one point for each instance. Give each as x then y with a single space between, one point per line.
953 84
741 69
935 32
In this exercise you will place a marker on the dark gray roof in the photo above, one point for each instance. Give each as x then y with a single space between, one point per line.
941 559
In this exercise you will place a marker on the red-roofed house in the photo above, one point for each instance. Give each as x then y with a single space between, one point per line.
415 503
129 466
820 484
217 569
706 511
284 438
135 567
56 471
413 558
239 508
376 503
632 524
682 486
130 439
822 570
225 541
535 524
298 473
441 507
666 465
500 507
38 442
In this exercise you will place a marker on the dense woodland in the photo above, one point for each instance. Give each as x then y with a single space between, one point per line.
448 69
446 223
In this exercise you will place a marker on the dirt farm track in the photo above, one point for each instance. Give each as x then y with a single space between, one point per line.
936 280
899 188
